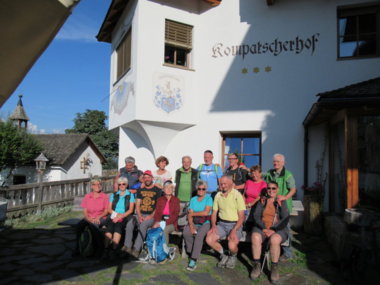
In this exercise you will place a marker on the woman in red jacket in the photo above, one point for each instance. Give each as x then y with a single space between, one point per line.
167 210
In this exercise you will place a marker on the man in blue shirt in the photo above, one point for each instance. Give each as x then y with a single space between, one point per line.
210 172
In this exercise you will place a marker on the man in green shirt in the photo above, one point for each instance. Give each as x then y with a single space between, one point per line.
287 189
185 179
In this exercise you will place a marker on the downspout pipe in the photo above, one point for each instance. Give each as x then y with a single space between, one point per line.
306 156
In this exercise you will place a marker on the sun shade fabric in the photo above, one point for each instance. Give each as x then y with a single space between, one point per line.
178 34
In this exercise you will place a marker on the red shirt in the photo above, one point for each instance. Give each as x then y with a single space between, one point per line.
173 210
253 190
95 206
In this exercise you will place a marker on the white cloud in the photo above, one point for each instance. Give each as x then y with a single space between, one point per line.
57 131
33 129
77 30
84 23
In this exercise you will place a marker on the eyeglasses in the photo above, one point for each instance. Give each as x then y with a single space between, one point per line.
97 184
122 184
201 189
272 188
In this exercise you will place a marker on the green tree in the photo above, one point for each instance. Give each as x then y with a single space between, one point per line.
92 122
17 147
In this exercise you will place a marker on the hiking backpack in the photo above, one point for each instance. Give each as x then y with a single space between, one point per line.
157 247
87 244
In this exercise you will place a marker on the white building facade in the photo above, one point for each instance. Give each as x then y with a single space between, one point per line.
240 76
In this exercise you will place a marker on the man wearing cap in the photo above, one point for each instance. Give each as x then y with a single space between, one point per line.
229 207
131 172
146 198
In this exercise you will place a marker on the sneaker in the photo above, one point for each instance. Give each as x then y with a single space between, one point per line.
231 262
171 253
192 265
274 274
223 261
256 271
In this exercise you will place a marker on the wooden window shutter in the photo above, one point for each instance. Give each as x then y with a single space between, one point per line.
178 34
124 55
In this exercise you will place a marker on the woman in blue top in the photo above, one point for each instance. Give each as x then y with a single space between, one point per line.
120 207
198 223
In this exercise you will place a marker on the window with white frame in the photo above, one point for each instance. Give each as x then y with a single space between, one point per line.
359 31
123 54
178 43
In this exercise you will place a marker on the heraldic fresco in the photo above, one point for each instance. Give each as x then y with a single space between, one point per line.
168 92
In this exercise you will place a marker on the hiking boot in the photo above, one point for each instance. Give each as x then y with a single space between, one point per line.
135 253
274 274
223 261
126 250
284 258
112 255
231 262
192 265
256 271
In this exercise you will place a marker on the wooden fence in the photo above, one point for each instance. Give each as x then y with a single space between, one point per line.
26 199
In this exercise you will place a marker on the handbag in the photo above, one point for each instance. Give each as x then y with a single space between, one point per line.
200 220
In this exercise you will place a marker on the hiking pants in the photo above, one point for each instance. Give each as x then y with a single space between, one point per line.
141 234
194 243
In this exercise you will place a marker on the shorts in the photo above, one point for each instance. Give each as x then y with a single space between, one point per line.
116 227
282 233
224 229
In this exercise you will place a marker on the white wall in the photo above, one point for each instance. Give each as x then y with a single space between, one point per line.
217 95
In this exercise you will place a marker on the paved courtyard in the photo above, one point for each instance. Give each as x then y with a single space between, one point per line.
43 255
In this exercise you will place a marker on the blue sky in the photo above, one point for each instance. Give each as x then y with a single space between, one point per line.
72 75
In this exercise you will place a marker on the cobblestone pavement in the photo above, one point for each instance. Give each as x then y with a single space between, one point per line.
44 256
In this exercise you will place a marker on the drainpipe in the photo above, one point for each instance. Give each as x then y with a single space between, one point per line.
306 156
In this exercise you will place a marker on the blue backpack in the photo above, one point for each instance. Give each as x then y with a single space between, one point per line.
157 247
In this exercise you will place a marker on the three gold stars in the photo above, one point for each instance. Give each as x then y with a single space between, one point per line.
256 69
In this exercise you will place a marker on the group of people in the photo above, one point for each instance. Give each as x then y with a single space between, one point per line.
216 204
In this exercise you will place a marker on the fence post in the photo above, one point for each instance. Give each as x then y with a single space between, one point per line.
40 191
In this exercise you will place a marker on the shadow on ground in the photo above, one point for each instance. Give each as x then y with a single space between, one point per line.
45 255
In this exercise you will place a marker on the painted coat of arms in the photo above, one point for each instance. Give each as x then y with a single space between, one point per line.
168 93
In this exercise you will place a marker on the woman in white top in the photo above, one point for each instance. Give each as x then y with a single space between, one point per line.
161 174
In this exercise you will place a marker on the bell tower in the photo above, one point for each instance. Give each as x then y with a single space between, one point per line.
19 115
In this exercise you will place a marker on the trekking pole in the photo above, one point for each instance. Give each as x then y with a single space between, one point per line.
267 249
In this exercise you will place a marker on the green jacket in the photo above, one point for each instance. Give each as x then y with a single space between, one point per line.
281 181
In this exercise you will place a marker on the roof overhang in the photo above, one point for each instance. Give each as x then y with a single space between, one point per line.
26 28
114 13
363 97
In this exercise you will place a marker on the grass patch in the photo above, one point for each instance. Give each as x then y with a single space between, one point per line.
299 258
48 218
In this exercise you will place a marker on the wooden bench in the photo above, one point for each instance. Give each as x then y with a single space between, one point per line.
296 220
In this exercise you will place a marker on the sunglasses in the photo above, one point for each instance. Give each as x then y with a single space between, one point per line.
122 184
202 189
272 188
